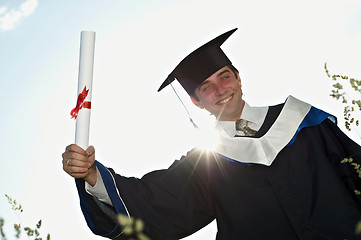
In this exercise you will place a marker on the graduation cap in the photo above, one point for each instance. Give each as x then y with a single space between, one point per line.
200 64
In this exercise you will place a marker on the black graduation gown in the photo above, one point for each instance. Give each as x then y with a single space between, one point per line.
307 193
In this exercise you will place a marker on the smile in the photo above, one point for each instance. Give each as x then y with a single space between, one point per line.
225 100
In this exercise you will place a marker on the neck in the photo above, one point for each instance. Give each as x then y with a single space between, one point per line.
235 117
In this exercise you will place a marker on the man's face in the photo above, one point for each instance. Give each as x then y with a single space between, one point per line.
221 95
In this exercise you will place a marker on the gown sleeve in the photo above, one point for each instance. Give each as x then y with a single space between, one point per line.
172 203
341 147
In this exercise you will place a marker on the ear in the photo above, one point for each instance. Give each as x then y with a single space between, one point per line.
239 78
197 103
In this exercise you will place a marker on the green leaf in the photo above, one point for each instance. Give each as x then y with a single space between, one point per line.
358 228
125 220
142 236
128 230
139 225
38 225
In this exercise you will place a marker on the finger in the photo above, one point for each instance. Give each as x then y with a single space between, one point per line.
75 155
64 155
79 175
72 170
77 163
90 151
75 148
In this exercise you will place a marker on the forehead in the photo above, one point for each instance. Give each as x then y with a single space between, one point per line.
217 74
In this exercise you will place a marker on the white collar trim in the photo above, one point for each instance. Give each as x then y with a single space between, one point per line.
264 150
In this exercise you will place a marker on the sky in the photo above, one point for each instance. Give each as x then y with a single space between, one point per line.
280 49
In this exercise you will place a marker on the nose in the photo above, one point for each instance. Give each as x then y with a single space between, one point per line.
220 90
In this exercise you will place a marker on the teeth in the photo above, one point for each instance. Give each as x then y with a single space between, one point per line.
225 100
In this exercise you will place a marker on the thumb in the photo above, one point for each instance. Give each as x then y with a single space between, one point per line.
90 151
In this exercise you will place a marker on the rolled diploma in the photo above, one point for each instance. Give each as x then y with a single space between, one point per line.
85 79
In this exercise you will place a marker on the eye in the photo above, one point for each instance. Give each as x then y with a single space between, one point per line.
205 88
224 77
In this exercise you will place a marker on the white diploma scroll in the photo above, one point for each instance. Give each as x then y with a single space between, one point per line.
85 80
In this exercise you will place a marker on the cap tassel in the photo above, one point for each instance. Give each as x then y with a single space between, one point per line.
190 118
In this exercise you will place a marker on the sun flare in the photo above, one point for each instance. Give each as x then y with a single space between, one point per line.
207 139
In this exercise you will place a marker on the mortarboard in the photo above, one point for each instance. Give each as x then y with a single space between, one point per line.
200 64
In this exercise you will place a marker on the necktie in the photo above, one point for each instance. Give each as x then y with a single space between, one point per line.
242 125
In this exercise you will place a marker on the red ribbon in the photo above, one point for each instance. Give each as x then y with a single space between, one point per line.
81 103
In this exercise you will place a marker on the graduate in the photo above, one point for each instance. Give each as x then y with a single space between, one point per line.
277 172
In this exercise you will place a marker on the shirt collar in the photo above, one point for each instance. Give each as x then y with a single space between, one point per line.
255 115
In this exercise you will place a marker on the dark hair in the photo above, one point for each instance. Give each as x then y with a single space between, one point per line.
233 69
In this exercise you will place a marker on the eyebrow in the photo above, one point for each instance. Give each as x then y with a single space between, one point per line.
219 74
202 83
